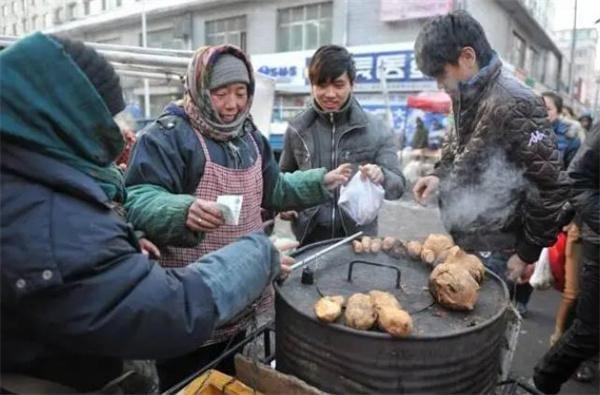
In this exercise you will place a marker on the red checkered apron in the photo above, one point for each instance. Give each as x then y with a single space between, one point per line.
219 180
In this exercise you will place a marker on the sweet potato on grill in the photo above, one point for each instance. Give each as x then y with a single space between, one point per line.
357 246
435 248
394 321
387 243
414 249
468 261
329 308
366 243
381 299
453 287
360 313
375 245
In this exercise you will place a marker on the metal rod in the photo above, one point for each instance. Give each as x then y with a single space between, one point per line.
303 262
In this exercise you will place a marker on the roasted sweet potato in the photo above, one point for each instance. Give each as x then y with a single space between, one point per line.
375 245
394 321
468 261
454 287
387 243
357 246
329 308
360 313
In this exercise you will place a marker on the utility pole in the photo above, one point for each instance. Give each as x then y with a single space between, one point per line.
147 113
573 42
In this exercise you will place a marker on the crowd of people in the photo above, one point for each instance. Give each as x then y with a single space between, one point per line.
109 257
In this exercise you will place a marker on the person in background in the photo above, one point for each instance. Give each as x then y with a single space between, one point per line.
200 150
566 132
333 130
420 139
78 296
498 177
127 125
581 341
586 121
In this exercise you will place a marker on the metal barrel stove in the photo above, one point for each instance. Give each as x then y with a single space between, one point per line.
448 352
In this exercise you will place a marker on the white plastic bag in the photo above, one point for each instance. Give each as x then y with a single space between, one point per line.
361 199
542 277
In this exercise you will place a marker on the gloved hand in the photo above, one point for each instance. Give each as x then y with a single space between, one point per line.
238 273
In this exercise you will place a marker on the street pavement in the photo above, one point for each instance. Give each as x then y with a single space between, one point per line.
409 221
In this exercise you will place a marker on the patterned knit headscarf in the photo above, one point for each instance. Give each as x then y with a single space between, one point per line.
196 100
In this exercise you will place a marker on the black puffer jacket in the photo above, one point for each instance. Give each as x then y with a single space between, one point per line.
499 187
584 182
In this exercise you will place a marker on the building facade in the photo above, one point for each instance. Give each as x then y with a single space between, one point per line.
280 36
584 75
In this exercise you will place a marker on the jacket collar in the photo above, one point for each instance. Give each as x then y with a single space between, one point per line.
471 91
349 117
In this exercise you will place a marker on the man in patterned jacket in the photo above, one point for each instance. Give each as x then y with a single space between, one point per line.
498 175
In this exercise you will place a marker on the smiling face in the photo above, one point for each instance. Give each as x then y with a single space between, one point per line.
229 100
332 95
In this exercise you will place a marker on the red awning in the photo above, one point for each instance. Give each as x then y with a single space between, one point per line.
430 101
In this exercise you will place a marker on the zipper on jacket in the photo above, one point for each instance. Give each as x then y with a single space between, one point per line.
333 166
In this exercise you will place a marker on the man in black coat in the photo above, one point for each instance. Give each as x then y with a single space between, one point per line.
498 175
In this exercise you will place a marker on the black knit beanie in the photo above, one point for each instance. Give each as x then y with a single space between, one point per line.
97 69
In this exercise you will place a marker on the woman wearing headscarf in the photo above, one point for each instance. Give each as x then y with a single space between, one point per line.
203 147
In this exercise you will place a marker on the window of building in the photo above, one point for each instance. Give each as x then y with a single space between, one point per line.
24 25
71 11
58 16
34 22
164 38
533 62
14 29
227 31
119 3
47 20
33 2
86 7
518 54
23 5
304 27
4 10
14 7
103 5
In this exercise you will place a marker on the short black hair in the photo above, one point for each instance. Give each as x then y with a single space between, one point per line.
556 99
442 39
330 62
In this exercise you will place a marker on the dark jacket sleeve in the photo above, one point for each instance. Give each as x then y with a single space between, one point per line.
443 166
387 158
584 180
164 170
287 161
535 150
106 298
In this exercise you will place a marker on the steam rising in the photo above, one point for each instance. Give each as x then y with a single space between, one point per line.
482 198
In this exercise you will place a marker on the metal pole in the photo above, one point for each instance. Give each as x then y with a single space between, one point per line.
146 81
573 41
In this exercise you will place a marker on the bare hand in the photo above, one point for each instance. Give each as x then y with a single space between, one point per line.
526 274
204 216
338 176
424 188
149 248
372 172
514 268
555 336
288 215
284 245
